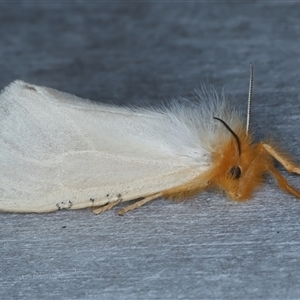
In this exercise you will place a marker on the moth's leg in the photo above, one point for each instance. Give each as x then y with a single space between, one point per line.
139 203
282 182
100 209
283 159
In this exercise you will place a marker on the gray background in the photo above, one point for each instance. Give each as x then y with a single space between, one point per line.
142 53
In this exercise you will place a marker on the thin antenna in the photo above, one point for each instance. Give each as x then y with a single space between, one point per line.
249 98
233 133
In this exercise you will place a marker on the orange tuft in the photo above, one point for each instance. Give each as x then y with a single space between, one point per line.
252 162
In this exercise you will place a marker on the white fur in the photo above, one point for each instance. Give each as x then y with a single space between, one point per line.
60 151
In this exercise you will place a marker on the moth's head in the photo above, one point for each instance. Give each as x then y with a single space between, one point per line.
240 166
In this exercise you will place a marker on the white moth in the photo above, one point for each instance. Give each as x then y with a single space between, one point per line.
58 151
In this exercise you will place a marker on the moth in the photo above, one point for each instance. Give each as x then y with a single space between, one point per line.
58 151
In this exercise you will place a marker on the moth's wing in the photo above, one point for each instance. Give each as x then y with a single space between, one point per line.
59 151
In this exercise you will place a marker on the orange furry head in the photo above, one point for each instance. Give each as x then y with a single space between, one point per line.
240 169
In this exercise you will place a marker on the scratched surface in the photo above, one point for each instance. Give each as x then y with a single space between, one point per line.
142 53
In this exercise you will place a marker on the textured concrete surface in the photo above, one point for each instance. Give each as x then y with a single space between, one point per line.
142 53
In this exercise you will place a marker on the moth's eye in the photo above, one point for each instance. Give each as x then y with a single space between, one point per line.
236 172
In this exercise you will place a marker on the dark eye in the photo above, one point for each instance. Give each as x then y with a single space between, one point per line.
236 172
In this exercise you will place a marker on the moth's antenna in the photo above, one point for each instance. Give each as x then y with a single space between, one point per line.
249 98
233 133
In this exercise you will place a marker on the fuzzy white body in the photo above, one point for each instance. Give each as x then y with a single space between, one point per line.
60 151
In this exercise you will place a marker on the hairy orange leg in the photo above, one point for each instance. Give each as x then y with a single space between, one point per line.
287 164
282 182
283 159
